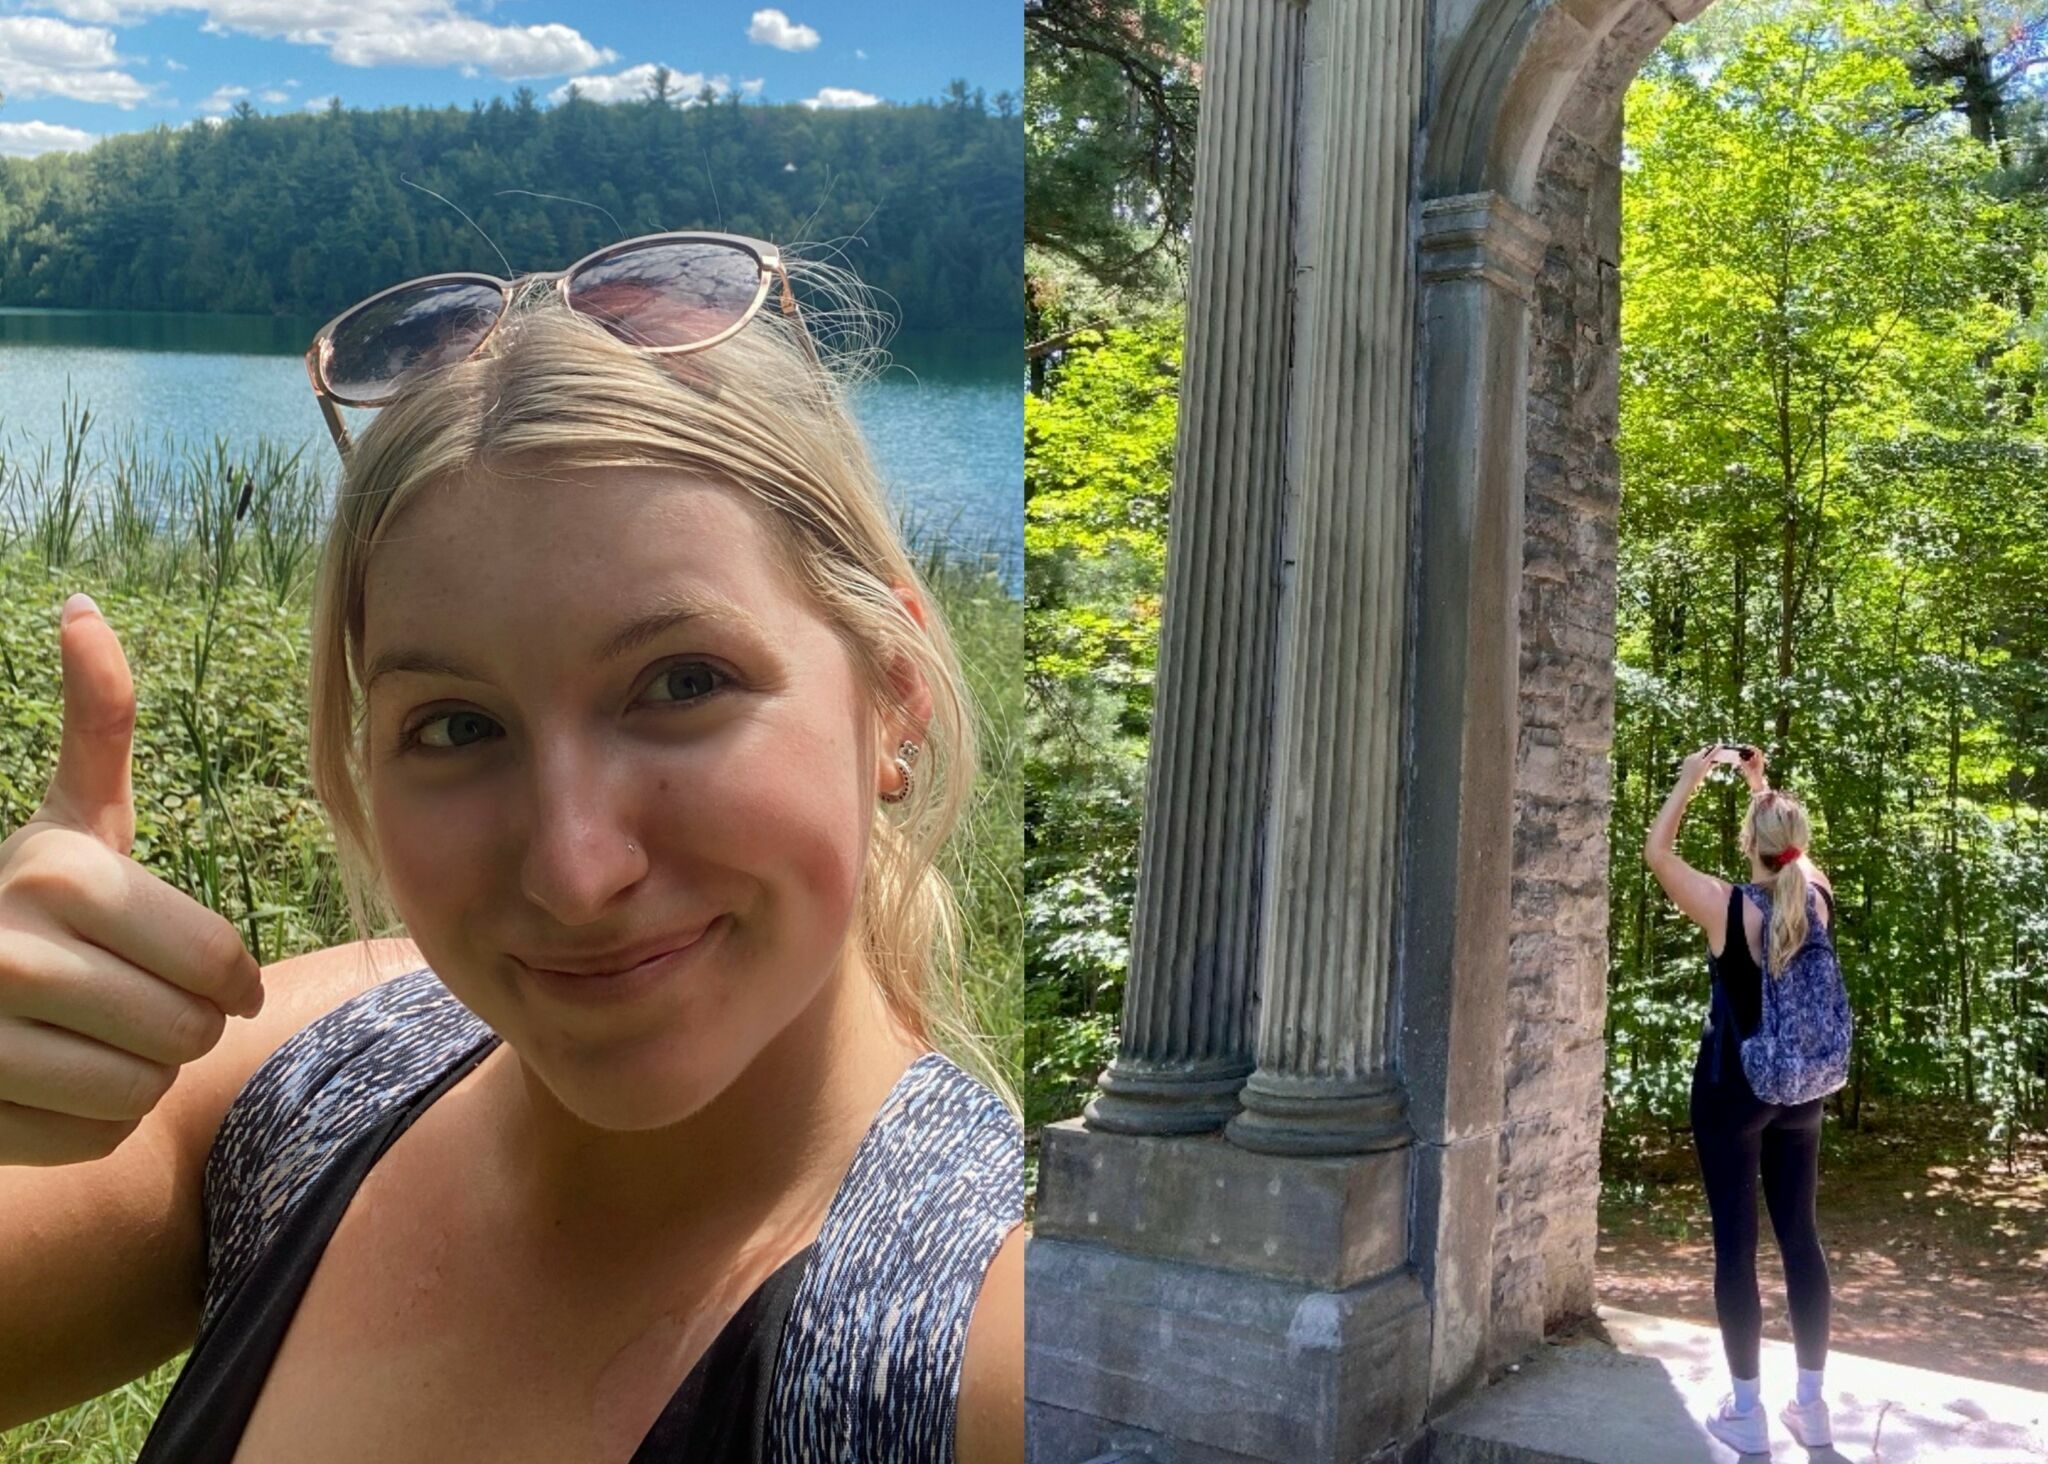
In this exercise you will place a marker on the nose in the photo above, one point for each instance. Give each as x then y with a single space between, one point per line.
579 855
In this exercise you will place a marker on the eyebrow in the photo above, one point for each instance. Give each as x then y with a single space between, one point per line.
673 610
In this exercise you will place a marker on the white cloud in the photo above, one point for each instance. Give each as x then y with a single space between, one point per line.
511 53
773 28
113 88
223 100
751 86
37 40
41 56
31 139
840 96
859 54
374 32
226 97
633 85
318 104
172 63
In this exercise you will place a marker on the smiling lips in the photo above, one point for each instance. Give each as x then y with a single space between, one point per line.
620 962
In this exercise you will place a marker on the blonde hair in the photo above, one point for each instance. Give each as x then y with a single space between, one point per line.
555 392
1775 823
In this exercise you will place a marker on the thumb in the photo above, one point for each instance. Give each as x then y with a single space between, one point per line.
93 791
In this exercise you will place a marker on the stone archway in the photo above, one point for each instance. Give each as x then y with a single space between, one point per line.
1346 1161
1532 120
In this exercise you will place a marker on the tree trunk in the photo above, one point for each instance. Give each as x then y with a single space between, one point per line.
1954 871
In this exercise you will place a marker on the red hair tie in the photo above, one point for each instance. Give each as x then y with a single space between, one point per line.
1782 858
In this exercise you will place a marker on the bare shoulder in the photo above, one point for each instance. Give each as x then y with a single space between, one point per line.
1827 911
991 1415
104 1272
297 992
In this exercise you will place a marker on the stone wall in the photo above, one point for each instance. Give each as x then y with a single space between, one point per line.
1546 1228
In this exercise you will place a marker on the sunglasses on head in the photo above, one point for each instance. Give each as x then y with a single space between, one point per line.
666 294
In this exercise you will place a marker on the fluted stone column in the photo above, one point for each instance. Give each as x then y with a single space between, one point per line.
1185 1046
1326 1081
1192 1299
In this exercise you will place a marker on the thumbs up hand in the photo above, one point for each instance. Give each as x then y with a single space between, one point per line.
92 791
111 979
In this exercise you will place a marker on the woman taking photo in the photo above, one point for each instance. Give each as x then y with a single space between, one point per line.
1773 926
627 701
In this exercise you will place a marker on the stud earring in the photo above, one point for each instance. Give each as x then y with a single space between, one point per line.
906 754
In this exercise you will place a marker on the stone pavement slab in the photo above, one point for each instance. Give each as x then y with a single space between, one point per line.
1640 1401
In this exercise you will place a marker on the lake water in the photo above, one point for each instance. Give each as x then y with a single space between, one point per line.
947 433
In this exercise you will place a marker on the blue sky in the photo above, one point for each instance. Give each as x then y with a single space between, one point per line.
72 71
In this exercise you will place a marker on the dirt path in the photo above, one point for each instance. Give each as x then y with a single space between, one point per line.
1938 1255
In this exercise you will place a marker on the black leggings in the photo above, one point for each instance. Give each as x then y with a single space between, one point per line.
1735 1136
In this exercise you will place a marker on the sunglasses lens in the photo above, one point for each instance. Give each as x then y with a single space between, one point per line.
672 294
409 331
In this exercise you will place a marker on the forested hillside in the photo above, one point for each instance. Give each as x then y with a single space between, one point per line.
306 214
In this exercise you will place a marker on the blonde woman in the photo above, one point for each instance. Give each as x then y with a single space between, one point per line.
1735 1134
627 700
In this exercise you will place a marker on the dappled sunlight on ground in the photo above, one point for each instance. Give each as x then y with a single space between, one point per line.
1625 1388
1938 1253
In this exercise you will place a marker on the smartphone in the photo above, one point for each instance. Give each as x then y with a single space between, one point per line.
1733 761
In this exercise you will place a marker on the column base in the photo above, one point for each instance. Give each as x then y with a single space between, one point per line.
1137 1097
1310 1116
1149 1358
1325 1223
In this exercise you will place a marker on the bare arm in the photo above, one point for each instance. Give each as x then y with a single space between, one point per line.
103 1264
991 1413
1701 897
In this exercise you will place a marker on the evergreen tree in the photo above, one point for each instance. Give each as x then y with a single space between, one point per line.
291 214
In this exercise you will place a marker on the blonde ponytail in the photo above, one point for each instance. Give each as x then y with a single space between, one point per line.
1776 825
1788 916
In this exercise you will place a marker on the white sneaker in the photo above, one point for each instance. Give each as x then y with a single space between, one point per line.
1745 1433
1808 1423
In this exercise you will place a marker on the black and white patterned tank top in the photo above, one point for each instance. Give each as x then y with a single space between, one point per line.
850 1352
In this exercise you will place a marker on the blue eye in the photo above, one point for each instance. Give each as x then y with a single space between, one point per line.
453 719
687 682
691 681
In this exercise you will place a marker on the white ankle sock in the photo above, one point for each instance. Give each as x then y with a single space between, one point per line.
1748 1391
1809 1385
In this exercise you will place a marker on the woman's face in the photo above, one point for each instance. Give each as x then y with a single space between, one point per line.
554 790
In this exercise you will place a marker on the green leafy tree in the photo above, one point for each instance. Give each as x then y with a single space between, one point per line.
1110 89
1833 538
1098 470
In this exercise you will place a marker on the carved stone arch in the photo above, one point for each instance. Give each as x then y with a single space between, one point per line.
1508 73
1519 339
